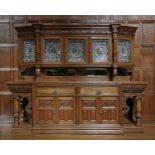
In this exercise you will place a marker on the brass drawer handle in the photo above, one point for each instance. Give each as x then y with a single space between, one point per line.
55 92
98 92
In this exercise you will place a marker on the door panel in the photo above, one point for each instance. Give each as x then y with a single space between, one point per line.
108 110
88 110
46 108
65 110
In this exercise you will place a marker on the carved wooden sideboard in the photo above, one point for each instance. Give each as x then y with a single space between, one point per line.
77 79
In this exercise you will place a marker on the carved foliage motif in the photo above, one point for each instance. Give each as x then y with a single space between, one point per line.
89 104
76 49
20 89
108 104
65 103
133 88
29 50
52 50
124 51
100 50
45 104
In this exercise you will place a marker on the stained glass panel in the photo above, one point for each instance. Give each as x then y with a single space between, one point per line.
124 50
29 50
100 50
52 51
76 49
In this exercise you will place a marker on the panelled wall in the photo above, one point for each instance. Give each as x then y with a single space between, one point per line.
144 55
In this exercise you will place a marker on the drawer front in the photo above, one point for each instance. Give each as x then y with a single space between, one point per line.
98 90
55 90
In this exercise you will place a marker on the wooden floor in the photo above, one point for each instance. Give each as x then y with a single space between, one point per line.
5 134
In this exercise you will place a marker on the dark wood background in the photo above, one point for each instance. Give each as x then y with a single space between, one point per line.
144 56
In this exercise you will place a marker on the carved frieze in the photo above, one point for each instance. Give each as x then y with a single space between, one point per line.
21 88
128 88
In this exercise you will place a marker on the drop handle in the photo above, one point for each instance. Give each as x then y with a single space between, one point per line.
55 92
98 92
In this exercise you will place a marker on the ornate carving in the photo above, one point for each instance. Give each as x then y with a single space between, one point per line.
108 104
29 50
21 88
45 104
66 103
52 50
133 88
79 32
100 50
89 104
76 49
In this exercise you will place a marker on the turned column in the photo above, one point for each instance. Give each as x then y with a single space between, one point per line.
115 44
16 112
138 111
37 28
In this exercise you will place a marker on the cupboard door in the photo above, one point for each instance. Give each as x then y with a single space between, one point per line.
124 51
76 50
88 110
108 110
100 51
52 51
65 110
28 51
45 110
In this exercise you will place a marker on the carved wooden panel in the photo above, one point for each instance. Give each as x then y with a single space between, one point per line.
109 110
88 110
66 109
133 88
45 110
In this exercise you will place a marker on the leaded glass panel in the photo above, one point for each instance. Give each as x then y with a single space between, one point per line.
52 51
29 50
100 50
76 50
124 51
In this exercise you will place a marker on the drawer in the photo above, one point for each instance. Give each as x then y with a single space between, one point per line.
55 90
98 90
